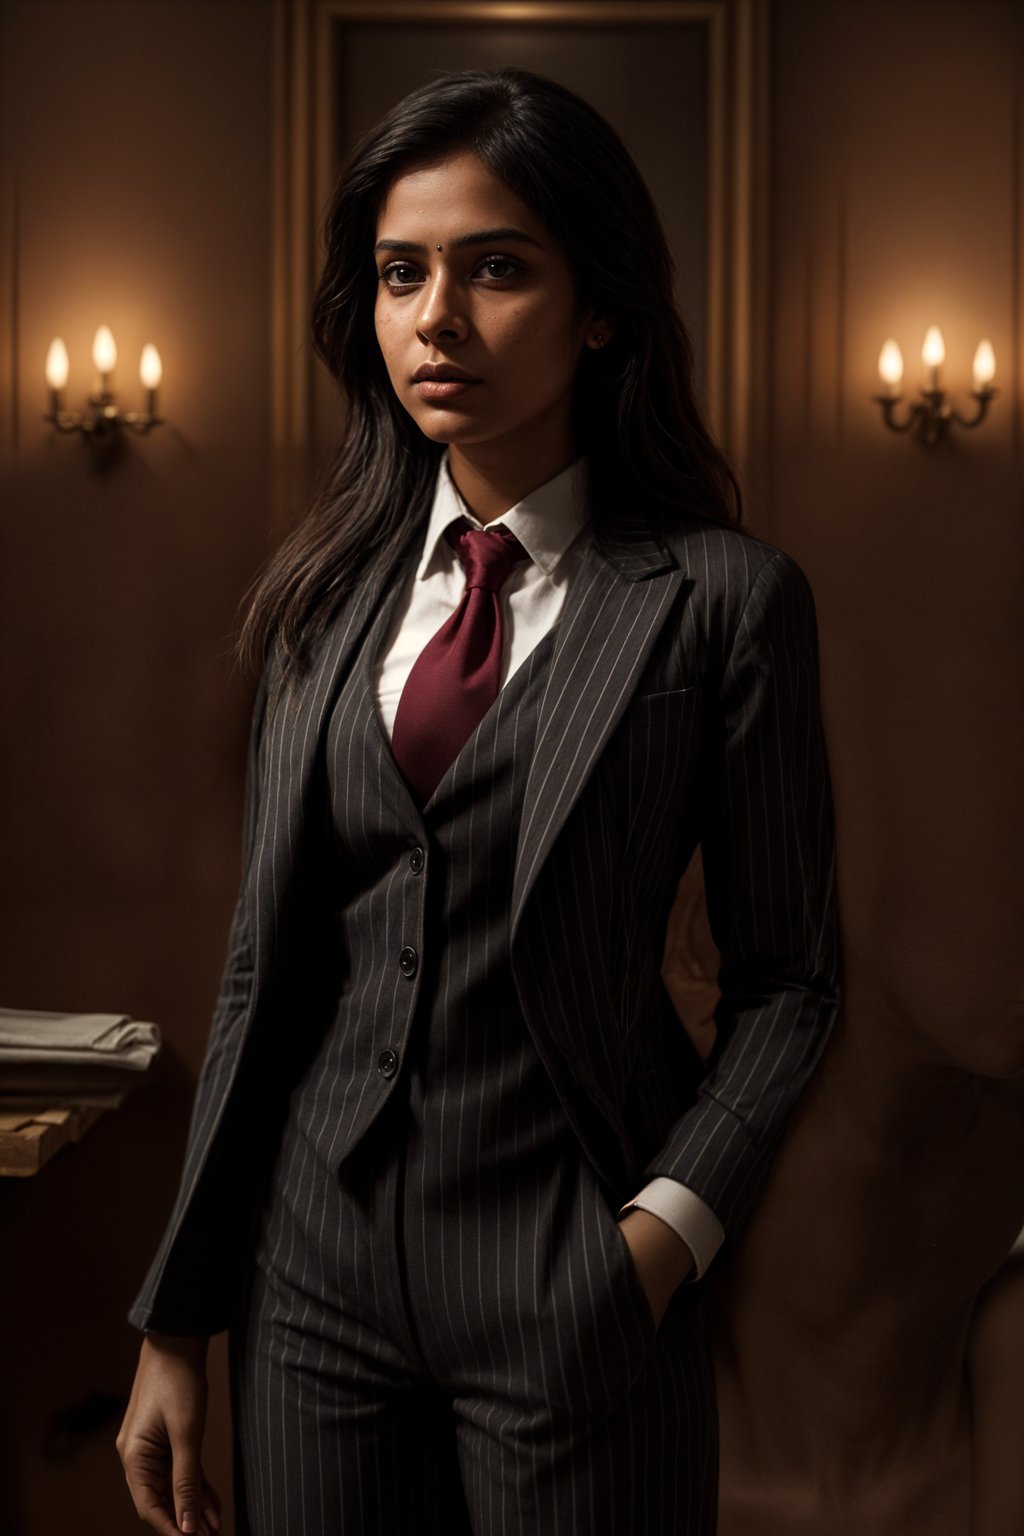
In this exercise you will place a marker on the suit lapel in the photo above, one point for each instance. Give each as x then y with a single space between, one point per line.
613 613
291 744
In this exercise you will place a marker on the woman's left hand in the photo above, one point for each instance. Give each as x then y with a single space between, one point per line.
662 1259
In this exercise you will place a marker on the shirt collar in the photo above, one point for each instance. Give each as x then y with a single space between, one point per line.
546 521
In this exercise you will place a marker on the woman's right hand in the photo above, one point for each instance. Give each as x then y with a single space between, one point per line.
160 1440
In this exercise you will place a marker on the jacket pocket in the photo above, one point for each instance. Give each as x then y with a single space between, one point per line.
659 695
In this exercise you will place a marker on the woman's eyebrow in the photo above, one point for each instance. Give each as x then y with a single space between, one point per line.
481 237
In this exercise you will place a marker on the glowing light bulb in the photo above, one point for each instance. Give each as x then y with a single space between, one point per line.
104 351
57 364
151 369
933 355
890 366
984 367
934 349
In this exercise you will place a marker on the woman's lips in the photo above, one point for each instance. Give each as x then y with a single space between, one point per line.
444 389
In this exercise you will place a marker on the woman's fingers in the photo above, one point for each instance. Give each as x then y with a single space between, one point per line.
146 1467
187 1480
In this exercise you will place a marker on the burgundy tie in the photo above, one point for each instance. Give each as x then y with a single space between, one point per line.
454 679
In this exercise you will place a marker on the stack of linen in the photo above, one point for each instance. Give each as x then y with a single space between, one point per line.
85 1057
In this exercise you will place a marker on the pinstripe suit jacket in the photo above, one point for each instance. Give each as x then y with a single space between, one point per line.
681 706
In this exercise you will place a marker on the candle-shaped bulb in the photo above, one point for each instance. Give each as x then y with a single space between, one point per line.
984 366
151 369
890 366
104 350
57 364
933 354
934 350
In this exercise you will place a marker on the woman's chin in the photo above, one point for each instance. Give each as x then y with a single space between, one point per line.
450 427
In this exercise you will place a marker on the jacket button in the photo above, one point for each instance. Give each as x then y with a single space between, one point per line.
387 1063
407 961
416 860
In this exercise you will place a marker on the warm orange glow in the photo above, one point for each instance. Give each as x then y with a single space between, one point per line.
151 369
984 365
933 352
57 364
104 350
890 364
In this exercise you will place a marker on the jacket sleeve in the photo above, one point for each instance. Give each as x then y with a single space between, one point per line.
185 1289
768 848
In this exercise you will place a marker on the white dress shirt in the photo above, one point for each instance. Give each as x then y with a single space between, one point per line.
552 524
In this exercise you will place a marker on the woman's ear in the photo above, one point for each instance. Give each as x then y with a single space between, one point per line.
600 331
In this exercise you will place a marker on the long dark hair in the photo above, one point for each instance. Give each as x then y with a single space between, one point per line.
634 411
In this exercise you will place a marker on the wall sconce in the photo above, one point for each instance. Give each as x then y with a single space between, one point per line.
932 414
104 420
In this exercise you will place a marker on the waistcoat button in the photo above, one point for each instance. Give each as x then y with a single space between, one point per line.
387 1063
416 860
407 961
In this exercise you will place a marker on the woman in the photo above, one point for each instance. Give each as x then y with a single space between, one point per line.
520 659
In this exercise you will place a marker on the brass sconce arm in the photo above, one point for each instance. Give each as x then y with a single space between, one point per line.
889 404
103 421
983 396
931 414
140 421
69 421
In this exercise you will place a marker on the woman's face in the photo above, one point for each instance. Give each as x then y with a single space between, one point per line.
471 281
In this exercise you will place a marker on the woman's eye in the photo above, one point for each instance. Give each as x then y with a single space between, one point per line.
510 266
400 274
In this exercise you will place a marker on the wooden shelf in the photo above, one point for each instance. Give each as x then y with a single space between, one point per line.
30 1137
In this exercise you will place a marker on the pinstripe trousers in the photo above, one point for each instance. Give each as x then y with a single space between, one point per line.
441 1328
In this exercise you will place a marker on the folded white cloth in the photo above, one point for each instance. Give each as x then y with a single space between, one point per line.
65 1051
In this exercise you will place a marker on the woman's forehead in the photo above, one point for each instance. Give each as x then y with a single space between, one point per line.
449 192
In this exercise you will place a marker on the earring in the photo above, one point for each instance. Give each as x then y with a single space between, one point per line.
599 339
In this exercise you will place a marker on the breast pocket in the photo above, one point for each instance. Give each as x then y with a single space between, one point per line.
655 778
657 726
661 696
649 760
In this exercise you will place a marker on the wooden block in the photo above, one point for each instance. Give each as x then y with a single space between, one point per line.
11 1121
84 1116
30 1137
54 1116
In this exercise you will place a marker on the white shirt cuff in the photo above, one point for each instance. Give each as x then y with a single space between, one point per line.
688 1216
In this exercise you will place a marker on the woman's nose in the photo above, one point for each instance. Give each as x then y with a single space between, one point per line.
441 313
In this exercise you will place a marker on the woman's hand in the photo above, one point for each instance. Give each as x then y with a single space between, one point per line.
160 1441
662 1259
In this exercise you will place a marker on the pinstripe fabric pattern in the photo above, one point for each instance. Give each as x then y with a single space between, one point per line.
724 747
469 1273
680 704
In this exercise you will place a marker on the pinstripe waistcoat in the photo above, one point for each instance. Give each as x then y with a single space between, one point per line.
680 705
414 966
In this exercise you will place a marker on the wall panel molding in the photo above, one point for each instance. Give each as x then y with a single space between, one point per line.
8 318
1017 269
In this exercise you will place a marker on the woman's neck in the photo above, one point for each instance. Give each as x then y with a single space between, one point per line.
490 479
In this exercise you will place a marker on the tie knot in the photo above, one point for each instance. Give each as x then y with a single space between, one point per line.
487 554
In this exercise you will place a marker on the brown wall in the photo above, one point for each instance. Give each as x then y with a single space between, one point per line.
138 137
896 201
